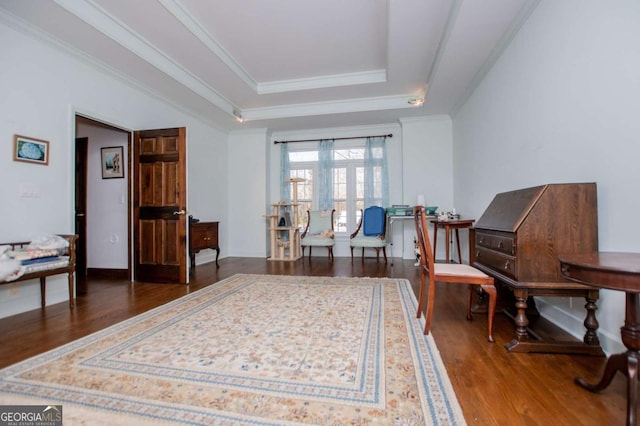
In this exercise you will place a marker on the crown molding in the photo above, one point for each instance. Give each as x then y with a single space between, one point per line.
322 82
329 107
100 66
101 20
451 19
424 118
177 9
497 51
94 15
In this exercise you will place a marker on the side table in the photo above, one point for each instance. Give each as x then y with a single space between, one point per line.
202 235
615 271
448 226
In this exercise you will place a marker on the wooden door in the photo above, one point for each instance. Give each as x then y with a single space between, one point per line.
160 226
81 214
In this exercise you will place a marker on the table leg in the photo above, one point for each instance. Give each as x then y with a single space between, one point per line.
458 245
447 235
627 362
591 322
435 239
390 235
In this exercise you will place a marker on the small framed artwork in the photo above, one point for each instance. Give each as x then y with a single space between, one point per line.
30 150
112 166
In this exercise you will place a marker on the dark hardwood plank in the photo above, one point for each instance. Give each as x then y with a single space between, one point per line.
494 387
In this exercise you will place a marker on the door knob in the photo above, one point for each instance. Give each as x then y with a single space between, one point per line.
180 212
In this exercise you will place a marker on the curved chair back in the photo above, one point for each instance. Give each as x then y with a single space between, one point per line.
373 221
432 272
319 231
371 232
319 220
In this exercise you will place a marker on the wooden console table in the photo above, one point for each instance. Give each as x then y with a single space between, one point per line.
202 235
448 226
615 271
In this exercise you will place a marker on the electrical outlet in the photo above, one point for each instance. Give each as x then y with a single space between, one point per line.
14 289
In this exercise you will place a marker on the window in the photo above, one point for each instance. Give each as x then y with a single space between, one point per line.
348 184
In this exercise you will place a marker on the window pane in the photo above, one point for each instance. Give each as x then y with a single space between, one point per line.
301 156
340 216
305 193
349 154
340 199
348 183
360 182
340 183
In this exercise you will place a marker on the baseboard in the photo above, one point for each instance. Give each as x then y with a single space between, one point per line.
112 274
573 324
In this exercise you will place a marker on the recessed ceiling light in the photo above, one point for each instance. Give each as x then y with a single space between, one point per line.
238 116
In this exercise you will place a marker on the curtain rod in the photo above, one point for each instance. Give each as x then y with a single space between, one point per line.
390 135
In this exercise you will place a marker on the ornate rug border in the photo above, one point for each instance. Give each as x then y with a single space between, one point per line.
423 349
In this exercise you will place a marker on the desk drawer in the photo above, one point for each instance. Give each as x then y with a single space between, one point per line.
497 261
502 242
204 235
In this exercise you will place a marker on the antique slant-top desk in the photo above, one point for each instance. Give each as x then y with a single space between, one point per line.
517 241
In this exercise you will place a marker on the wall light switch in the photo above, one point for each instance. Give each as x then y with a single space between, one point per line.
29 190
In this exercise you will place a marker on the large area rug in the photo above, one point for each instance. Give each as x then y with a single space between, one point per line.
252 349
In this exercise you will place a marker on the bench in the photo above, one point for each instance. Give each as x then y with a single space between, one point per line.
53 268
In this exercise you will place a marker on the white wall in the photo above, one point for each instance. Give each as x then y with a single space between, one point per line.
42 90
208 184
427 168
247 193
561 105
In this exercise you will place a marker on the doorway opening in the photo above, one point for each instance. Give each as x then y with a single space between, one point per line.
102 201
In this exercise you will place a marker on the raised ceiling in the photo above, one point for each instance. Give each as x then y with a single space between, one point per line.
287 64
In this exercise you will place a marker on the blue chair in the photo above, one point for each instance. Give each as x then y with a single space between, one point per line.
371 232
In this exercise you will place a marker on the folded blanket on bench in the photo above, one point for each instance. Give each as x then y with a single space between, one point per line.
10 270
43 253
34 253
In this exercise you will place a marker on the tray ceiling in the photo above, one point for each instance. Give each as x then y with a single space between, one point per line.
287 64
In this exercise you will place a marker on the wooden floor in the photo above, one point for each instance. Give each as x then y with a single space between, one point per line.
493 386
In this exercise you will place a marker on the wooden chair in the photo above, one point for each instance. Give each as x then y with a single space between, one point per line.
371 232
447 273
319 231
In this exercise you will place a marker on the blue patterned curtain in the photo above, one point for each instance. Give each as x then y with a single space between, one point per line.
325 174
375 169
285 173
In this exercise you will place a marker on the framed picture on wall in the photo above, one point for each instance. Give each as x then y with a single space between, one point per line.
30 150
112 162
